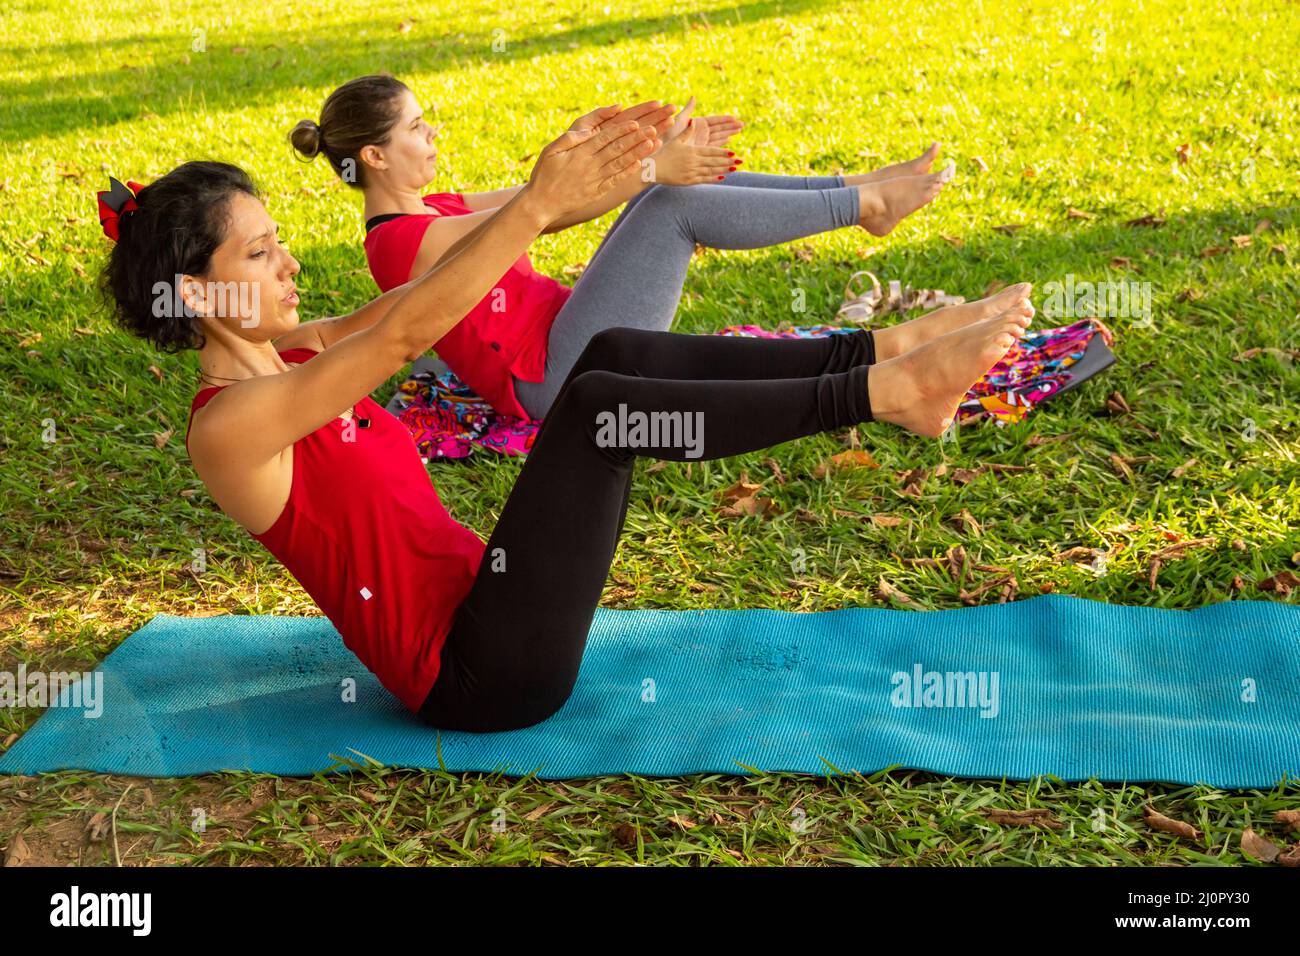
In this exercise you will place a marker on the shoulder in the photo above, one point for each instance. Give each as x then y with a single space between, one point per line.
438 201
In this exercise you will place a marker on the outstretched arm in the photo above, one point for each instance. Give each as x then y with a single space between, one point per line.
267 413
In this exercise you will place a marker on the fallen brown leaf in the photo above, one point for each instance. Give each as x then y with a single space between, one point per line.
1257 847
969 597
968 522
1158 821
1290 817
886 591
741 489
750 506
1024 818
17 853
1073 213
1150 220
1074 554
957 563
1281 583
98 826
846 459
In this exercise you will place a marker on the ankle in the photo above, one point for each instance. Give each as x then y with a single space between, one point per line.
887 387
870 205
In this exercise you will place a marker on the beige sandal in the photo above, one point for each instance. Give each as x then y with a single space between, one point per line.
862 307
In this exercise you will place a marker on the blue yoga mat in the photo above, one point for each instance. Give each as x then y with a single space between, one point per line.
1062 686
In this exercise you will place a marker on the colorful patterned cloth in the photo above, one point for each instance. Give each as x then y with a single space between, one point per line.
447 420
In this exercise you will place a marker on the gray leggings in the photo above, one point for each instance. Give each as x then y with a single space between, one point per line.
635 276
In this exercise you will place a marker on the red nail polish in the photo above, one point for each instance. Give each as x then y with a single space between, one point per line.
732 169
731 154
722 177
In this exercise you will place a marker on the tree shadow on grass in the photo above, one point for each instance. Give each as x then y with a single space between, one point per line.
274 61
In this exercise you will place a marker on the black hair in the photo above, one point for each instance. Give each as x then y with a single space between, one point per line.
181 220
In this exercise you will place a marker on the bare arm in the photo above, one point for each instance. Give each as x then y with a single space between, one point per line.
491 199
270 412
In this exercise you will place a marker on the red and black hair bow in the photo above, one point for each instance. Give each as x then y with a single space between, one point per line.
116 202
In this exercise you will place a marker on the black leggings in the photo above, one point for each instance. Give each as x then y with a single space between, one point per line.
512 656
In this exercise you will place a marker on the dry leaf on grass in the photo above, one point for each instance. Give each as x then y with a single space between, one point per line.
886 591
957 562
1290 817
1079 553
750 506
1257 847
1024 818
1150 220
17 854
971 597
1158 821
846 459
744 488
1281 583
968 523
98 826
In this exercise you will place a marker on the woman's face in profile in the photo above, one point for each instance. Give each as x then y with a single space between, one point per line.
412 158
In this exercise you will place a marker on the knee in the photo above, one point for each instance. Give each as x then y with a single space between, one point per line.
611 348
663 196
592 390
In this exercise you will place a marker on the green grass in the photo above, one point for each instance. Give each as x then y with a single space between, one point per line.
1067 105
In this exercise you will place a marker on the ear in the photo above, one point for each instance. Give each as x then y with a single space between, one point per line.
373 157
192 292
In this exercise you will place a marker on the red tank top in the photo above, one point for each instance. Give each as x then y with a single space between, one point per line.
504 335
366 535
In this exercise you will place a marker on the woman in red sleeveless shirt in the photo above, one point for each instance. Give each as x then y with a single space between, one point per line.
519 343
473 636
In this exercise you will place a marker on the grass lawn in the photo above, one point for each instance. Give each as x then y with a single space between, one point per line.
1187 114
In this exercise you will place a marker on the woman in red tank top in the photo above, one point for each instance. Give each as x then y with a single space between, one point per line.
518 344
470 635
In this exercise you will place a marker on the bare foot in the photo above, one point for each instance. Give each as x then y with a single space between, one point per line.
894 340
920 390
882 205
913 167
